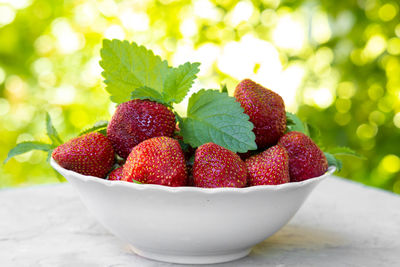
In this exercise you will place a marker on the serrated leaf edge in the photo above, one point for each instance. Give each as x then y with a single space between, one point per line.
195 141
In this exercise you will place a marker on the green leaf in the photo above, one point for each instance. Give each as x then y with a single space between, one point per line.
97 127
103 131
315 134
178 118
345 151
289 120
128 66
333 161
185 147
190 162
51 132
224 89
49 155
145 92
179 81
24 147
216 117
293 123
132 71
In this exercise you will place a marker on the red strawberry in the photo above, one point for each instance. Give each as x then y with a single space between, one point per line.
89 154
116 174
215 166
306 160
158 160
137 120
270 167
266 110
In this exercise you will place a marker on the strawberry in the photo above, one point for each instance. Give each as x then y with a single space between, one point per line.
266 110
158 160
116 174
89 154
215 166
137 120
306 160
270 167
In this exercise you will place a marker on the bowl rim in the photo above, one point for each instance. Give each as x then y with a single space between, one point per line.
108 183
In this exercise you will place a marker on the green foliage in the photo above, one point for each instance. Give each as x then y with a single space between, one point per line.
24 147
345 151
224 89
294 124
133 71
338 152
333 161
179 82
99 126
128 66
52 132
315 134
207 122
145 92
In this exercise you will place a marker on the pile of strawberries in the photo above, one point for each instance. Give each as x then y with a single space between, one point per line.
147 140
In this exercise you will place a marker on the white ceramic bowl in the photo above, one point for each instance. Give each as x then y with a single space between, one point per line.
188 224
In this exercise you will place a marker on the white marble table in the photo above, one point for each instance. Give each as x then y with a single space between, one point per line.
342 223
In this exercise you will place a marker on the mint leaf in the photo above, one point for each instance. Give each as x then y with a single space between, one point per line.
333 161
179 81
98 126
216 117
185 147
51 132
178 118
128 66
224 89
345 151
315 134
145 92
190 161
24 147
293 123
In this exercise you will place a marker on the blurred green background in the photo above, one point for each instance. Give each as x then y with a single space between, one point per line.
335 63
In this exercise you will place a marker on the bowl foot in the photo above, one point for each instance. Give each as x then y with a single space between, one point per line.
192 259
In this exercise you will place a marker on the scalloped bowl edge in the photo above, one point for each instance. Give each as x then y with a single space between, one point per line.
190 225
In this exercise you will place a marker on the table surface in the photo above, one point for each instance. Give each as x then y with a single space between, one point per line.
341 223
